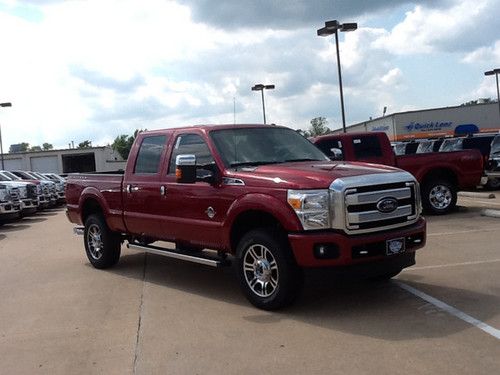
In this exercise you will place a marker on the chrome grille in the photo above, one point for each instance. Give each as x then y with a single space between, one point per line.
14 194
361 206
357 202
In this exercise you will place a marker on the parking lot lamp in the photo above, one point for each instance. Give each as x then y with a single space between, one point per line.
260 87
495 72
332 27
1 145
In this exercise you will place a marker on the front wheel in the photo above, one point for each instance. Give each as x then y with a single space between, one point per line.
267 272
439 197
102 246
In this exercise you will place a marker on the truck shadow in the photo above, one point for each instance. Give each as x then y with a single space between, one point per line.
2 237
344 304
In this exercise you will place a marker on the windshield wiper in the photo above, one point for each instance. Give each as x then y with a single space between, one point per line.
297 160
252 163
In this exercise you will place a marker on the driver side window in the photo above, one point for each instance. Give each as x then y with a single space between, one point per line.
191 144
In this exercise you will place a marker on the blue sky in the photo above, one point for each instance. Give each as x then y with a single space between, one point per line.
94 69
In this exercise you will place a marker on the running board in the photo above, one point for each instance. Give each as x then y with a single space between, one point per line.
170 253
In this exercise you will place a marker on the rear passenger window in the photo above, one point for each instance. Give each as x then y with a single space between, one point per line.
191 144
366 147
148 158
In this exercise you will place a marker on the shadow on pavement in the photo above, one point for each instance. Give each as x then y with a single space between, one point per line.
380 310
13 227
2 237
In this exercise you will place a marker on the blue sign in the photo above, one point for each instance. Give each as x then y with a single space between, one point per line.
428 126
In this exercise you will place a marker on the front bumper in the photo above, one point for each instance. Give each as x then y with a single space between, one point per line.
8 210
354 249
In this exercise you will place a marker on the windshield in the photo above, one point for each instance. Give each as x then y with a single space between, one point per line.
399 148
451 145
495 147
11 175
259 146
425 147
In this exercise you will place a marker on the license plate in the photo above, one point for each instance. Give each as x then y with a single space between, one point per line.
395 246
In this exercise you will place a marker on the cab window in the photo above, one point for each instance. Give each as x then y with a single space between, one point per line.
366 147
149 155
190 144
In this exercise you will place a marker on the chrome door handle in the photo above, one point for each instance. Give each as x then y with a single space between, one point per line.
130 189
163 190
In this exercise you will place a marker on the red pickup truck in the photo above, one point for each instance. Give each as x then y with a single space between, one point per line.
440 175
260 195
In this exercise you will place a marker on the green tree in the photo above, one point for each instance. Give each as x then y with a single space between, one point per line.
47 146
35 148
318 127
85 144
123 143
20 147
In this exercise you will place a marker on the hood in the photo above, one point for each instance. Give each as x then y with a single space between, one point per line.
307 175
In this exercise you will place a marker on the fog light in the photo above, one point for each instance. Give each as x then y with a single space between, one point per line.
326 251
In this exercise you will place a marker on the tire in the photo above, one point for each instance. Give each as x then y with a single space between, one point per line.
493 184
386 276
439 196
102 246
268 274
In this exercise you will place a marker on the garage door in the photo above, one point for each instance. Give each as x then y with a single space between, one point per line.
13 164
45 164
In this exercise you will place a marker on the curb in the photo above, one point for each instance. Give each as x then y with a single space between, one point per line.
469 194
491 213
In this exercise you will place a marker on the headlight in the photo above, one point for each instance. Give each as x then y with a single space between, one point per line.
4 195
23 192
312 207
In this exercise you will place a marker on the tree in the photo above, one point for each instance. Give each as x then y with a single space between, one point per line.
47 146
123 143
19 147
85 144
35 148
318 127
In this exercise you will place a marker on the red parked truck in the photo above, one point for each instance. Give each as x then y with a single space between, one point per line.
262 196
441 175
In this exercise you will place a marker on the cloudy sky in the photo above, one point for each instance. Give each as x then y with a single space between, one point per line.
94 69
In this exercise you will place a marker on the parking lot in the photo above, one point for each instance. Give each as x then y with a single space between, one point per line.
155 315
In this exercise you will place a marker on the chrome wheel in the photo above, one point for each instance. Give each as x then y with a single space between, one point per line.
440 197
94 241
260 270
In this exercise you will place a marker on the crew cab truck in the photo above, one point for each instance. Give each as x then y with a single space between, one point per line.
261 196
441 175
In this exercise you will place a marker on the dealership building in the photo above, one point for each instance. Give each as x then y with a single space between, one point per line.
92 159
436 122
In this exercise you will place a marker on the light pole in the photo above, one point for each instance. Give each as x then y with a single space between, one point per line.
495 72
332 27
1 145
260 87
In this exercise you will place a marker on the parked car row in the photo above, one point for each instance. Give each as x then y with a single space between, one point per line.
487 144
23 193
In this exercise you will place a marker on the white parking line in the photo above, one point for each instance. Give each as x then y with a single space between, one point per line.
452 265
451 310
461 232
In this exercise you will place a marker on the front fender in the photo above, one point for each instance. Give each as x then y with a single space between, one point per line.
265 203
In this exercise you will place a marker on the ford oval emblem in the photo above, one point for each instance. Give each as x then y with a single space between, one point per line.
387 205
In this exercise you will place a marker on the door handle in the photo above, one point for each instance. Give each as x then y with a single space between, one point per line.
163 190
131 189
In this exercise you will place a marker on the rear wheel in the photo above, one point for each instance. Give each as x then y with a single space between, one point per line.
439 196
102 246
268 275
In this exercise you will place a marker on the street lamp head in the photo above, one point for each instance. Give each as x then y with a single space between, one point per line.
269 87
349 26
492 72
258 87
6 104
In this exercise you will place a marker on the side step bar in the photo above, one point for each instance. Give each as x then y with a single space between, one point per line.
170 253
